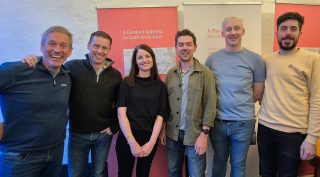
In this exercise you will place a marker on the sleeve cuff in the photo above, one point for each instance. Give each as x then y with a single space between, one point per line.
311 139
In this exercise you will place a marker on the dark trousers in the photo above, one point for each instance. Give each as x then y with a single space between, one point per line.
126 159
279 152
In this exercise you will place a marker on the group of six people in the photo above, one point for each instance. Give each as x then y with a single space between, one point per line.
197 102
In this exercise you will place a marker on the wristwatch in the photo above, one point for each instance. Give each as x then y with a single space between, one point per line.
205 131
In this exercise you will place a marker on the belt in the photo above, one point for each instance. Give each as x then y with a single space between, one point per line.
221 120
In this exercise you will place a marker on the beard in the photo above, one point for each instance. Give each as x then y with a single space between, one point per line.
289 46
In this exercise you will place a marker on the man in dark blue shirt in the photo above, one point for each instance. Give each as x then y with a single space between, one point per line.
34 104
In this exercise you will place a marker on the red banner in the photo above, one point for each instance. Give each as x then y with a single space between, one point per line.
311 13
129 27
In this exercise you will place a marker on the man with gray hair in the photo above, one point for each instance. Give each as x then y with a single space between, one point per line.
240 75
34 104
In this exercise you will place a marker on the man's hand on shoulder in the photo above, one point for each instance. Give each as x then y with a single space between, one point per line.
30 60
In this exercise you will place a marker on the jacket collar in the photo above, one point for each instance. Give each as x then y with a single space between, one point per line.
107 63
196 64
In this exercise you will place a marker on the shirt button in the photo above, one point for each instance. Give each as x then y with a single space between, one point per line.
177 112
178 98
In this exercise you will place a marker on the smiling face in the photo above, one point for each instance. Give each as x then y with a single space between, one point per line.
232 32
288 34
99 49
144 60
185 48
56 49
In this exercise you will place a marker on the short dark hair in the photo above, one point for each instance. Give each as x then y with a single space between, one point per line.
291 16
101 34
186 32
135 69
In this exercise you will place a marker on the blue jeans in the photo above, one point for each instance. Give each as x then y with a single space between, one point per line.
78 152
279 152
231 138
44 163
176 153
